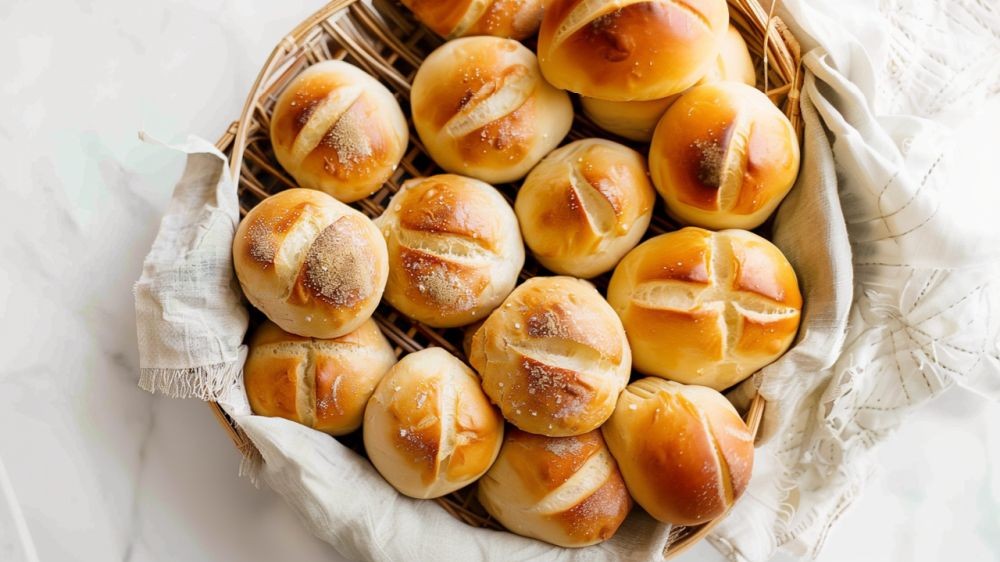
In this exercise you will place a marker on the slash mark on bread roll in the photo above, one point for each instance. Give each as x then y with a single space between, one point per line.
496 98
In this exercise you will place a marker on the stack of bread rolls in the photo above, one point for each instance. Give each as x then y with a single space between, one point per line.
567 403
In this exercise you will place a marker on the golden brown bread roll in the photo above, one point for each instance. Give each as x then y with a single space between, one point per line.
323 384
723 156
684 452
337 129
429 429
482 109
554 357
314 266
563 490
707 308
636 120
454 250
515 19
585 206
624 50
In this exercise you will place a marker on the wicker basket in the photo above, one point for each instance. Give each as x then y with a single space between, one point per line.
382 38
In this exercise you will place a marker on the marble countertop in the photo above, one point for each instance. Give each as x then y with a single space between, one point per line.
91 468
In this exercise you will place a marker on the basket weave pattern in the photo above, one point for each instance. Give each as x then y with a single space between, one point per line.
382 38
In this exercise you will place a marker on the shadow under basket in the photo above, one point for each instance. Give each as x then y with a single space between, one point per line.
382 38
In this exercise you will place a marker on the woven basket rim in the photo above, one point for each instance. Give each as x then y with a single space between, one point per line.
781 56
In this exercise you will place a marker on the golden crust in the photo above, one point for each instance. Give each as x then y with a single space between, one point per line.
428 428
337 129
454 250
636 120
706 308
585 206
724 156
685 454
311 264
563 490
630 49
553 357
324 384
482 109
514 19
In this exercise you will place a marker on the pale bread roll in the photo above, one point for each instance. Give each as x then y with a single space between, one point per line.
636 120
323 384
514 19
685 453
706 308
553 357
335 128
482 109
563 490
724 156
625 50
585 206
454 250
429 429
311 264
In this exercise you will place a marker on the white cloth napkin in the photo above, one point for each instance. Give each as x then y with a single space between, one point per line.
901 302
189 315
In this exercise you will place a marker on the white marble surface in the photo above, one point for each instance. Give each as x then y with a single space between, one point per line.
99 470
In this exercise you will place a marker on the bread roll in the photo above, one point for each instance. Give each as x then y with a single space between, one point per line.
454 250
516 19
482 109
684 451
337 129
724 156
707 308
563 490
585 206
429 429
314 266
636 120
554 357
625 50
324 384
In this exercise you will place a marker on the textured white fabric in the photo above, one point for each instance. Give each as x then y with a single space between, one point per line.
926 305
189 315
901 302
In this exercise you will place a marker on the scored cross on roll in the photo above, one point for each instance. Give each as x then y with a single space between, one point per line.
706 308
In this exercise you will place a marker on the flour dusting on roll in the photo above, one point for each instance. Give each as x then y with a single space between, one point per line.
337 129
312 265
454 250
553 357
